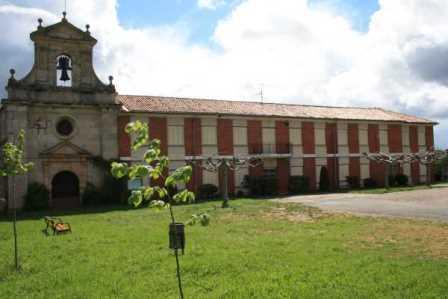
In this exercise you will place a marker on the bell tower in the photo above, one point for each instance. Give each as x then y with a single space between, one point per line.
68 114
63 68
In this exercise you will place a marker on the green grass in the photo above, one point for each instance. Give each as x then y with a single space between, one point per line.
257 249
398 189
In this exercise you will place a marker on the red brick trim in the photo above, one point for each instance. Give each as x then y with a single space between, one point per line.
225 136
193 136
283 172
225 147
254 137
354 168
124 140
309 170
193 147
374 138
394 136
413 139
158 129
353 138
308 138
282 137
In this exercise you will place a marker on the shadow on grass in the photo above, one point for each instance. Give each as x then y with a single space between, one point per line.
33 215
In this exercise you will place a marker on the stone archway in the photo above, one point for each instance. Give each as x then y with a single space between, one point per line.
65 191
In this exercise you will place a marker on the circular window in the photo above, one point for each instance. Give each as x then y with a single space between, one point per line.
64 127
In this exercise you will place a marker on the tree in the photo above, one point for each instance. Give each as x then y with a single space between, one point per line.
428 158
390 161
224 165
12 165
156 167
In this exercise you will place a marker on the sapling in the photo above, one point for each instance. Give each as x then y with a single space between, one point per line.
12 165
155 165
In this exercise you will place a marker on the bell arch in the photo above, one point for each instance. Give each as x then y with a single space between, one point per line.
64 70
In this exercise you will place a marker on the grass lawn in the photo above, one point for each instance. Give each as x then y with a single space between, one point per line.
257 249
399 189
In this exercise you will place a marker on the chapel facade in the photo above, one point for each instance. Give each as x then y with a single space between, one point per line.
71 119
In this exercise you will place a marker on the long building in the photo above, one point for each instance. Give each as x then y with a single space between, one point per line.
71 119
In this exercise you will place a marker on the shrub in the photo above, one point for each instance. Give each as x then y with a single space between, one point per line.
91 195
401 179
353 182
324 181
392 181
37 197
299 184
370 183
207 191
113 191
261 185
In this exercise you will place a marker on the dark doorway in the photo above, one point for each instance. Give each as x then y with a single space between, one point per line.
65 190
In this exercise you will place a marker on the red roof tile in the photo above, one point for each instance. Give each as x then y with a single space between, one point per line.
153 104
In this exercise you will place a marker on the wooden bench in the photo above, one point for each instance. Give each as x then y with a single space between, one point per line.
57 225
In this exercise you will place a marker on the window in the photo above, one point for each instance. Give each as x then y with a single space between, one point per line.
64 71
65 127
135 184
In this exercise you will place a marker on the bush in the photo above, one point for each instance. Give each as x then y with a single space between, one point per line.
370 183
392 181
114 191
353 182
299 184
261 185
207 191
324 181
401 179
37 197
91 195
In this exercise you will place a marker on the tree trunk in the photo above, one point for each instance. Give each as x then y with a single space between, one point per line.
14 223
225 182
428 174
386 179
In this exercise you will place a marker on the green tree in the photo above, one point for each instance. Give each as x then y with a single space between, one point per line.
12 165
156 167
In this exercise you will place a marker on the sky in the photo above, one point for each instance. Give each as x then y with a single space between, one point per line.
377 53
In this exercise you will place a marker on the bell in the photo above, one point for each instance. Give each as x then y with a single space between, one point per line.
64 65
64 76
177 236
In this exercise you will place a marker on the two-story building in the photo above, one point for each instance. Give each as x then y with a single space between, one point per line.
71 118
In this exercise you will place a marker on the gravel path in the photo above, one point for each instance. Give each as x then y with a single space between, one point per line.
425 204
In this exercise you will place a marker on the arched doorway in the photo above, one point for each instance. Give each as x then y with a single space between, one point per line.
65 190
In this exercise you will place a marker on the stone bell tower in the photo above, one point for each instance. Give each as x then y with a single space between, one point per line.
68 114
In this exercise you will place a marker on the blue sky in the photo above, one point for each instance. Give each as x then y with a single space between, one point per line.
202 22
322 52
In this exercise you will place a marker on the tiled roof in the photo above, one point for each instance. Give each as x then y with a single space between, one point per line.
154 104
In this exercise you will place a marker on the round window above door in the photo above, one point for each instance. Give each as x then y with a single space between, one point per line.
65 127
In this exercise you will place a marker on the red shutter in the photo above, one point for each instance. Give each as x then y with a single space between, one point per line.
124 140
225 147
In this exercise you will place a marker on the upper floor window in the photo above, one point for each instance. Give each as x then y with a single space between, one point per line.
64 71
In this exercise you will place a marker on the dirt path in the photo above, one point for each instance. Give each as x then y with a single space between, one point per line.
425 204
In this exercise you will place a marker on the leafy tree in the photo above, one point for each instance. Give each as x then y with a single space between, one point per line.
12 165
156 167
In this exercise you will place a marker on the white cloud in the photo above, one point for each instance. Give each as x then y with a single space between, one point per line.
300 54
210 4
